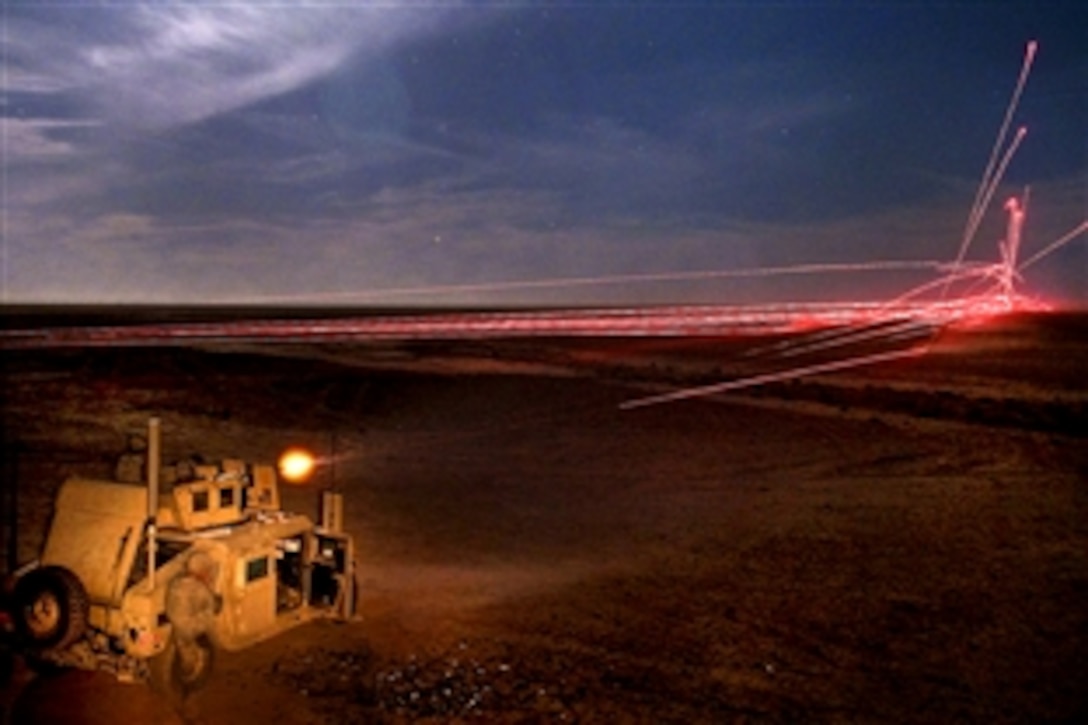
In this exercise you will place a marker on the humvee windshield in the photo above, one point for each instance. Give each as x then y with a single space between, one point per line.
165 550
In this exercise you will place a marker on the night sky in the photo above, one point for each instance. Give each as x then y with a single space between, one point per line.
349 152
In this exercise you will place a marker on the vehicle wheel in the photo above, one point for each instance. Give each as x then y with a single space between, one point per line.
183 667
51 608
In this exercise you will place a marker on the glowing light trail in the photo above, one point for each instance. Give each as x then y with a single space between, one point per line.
778 377
610 280
869 333
816 327
1006 159
675 321
889 327
1054 246
989 178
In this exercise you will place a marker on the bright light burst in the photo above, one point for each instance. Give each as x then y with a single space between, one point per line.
296 465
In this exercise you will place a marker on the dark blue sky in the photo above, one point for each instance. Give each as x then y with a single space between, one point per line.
345 152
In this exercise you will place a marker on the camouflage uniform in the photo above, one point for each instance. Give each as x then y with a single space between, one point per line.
191 602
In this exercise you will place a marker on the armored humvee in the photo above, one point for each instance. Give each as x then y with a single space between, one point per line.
151 587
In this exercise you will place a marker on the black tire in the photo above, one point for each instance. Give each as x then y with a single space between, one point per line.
183 667
51 609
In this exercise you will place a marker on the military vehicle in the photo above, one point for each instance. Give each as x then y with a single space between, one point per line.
150 586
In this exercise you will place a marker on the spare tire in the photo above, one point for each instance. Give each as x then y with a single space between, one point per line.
51 609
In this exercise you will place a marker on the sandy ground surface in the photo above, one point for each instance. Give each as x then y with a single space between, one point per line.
903 544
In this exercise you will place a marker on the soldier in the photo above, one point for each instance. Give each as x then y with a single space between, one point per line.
191 601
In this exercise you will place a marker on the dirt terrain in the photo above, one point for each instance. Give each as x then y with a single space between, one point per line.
906 543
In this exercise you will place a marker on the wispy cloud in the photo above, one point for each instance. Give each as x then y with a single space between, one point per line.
173 63
36 140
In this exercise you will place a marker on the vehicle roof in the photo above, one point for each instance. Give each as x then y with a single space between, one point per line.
258 533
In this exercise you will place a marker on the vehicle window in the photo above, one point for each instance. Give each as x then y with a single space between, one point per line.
165 550
256 569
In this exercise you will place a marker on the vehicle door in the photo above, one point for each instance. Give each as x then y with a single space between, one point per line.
255 592
332 573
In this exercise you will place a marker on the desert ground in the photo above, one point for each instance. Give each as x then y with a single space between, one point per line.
904 543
